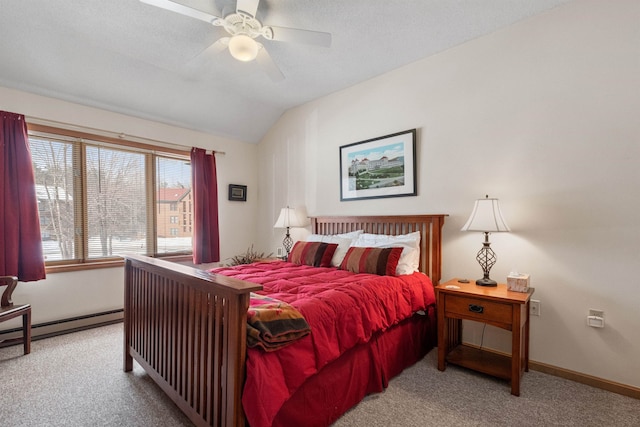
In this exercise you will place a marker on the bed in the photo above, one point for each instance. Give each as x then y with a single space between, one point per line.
187 328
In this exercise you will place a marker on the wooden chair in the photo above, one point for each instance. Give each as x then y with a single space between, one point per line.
8 311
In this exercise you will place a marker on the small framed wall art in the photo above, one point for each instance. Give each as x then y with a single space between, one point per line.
237 193
379 167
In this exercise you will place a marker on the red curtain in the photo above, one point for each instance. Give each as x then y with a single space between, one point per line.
20 240
206 241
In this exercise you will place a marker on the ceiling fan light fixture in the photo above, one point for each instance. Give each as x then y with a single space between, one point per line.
243 48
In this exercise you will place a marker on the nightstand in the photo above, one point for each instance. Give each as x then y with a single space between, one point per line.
495 306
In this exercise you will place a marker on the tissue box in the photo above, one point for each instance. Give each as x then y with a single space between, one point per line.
518 282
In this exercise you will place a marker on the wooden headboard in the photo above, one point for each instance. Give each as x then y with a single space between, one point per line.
429 226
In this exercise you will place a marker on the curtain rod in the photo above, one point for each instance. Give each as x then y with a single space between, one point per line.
119 135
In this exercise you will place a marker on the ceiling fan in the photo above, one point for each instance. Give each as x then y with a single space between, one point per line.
244 29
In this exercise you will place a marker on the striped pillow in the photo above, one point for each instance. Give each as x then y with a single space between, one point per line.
315 254
381 261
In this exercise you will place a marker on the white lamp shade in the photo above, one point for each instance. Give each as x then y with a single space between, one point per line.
243 48
486 217
289 218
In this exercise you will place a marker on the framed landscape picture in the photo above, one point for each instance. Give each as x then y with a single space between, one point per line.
379 167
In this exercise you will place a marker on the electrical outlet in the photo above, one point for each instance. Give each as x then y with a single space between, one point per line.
595 318
279 252
534 307
597 313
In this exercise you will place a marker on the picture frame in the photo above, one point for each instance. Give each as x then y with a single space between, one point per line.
379 167
237 193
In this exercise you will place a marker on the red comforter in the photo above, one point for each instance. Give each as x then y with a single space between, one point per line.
343 309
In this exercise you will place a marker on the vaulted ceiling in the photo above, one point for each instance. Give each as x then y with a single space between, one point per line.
130 57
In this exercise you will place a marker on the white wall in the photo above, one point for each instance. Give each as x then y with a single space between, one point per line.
542 115
66 295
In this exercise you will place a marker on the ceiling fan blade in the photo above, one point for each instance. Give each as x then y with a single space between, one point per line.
196 64
182 10
250 7
266 63
295 35
215 48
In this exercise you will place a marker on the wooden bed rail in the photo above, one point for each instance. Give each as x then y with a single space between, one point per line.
429 226
187 329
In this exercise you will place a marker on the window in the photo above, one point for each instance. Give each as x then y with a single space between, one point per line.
116 205
100 198
56 190
173 188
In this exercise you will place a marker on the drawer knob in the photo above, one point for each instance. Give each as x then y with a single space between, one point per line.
474 308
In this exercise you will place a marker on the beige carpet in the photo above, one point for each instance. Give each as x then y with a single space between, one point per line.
77 380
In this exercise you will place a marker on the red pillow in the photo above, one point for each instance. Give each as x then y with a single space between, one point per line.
315 254
381 261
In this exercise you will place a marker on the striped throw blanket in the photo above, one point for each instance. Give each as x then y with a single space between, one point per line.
273 324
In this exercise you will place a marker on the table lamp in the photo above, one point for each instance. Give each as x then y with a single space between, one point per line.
487 218
288 218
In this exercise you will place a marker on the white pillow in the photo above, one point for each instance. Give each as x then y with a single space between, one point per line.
343 240
410 244
351 234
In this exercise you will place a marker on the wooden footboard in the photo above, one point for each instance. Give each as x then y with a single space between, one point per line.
187 329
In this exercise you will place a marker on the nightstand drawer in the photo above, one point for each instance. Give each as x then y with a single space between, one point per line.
478 309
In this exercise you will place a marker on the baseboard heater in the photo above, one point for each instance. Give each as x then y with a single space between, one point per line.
65 326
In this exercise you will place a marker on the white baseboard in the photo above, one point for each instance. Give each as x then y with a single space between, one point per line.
63 326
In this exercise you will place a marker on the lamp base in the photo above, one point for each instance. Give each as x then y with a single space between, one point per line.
485 281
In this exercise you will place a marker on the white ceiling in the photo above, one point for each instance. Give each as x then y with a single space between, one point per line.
130 57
